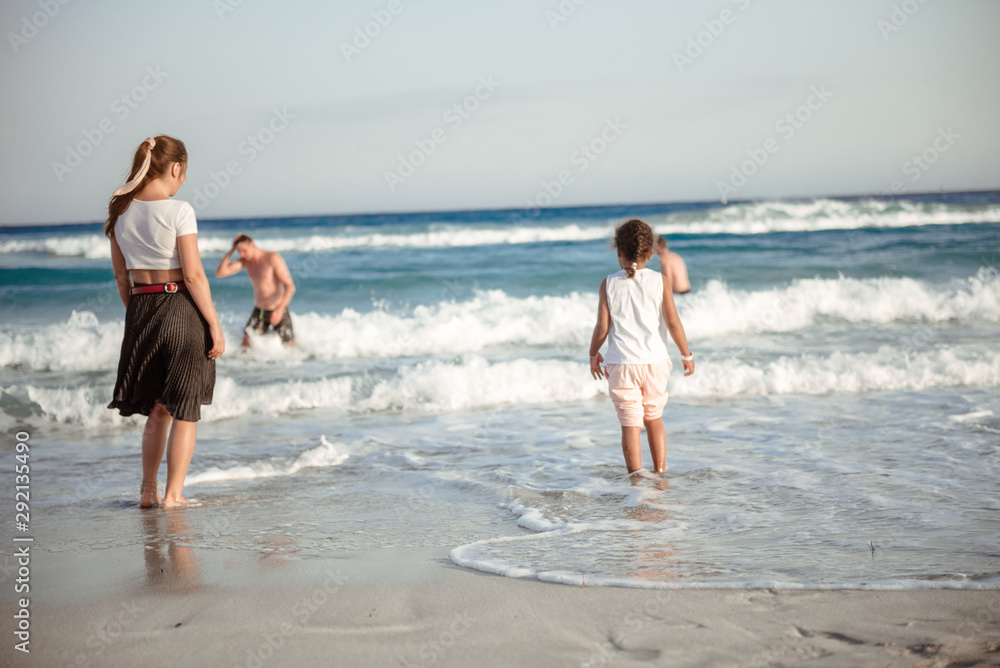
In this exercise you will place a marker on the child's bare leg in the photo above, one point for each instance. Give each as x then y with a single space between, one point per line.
154 442
657 437
632 447
179 451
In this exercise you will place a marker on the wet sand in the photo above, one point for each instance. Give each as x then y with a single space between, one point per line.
169 604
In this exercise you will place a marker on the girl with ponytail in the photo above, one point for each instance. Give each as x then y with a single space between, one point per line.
635 312
166 370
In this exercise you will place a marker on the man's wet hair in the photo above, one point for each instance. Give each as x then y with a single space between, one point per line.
240 239
661 242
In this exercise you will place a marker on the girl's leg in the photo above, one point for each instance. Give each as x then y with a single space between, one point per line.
632 447
154 442
657 436
179 451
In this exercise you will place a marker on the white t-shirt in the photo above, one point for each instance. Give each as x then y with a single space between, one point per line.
638 333
147 232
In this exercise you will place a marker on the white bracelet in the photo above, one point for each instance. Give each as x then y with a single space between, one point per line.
687 358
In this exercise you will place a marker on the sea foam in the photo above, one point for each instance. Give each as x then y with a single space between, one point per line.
743 218
472 382
323 455
495 321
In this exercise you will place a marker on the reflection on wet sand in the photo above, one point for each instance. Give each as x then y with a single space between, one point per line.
652 561
170 562
275 551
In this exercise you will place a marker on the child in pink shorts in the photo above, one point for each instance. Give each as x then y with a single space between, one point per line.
635 313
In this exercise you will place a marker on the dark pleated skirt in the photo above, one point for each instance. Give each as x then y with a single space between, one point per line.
164 357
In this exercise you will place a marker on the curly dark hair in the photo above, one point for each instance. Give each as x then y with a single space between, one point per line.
634 240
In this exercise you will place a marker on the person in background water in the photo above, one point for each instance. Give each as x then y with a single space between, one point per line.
634 313
672 266
272 288
166 370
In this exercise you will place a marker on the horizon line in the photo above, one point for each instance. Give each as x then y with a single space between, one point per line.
416 212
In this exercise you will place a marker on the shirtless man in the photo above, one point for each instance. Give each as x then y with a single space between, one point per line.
672 266
272 288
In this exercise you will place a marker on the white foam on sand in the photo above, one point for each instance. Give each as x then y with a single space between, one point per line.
477 556
581 548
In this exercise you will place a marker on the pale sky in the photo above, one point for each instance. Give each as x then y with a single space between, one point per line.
329 127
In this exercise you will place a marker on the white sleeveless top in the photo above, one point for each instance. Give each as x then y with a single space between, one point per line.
147 232
638 332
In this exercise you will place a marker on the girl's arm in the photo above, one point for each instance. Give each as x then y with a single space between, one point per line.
197 285
674 325
600 333
122 279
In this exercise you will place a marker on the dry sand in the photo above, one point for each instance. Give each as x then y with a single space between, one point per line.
171 605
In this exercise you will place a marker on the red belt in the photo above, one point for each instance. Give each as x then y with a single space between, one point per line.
159 287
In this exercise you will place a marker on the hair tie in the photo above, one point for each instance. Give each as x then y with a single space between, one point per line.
634 265
141 174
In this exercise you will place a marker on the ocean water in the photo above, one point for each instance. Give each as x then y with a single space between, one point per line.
842 429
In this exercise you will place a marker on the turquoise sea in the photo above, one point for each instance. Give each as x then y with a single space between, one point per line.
842 429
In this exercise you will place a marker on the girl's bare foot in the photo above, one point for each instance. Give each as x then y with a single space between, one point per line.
150 495
171 502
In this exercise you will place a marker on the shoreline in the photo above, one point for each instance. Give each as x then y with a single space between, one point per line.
170 603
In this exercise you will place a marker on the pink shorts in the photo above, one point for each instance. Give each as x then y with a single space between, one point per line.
639 391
